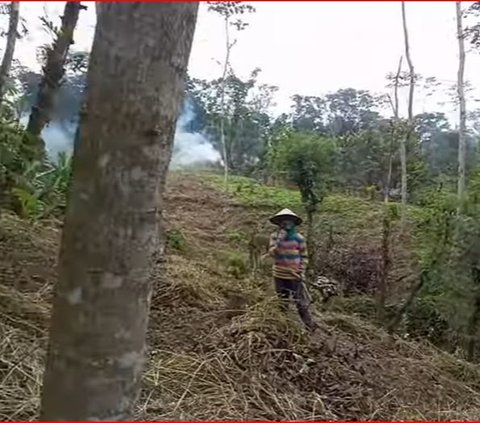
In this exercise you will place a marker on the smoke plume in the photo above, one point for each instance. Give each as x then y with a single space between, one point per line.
190 149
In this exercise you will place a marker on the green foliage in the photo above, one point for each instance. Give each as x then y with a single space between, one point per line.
308 161
473 31
12 153
251 193
229 9
35 189
17 152
364 158
176 240
236 236
343 112
235 263
49 183
30 204
424 321
243 107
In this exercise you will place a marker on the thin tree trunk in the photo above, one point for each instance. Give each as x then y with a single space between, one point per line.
461 98
222 103
310 247
404 140
394 132
385 266
472 329
53 70
442 247
395 322
100 312
10 47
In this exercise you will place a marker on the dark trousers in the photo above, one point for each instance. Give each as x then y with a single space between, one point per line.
287 289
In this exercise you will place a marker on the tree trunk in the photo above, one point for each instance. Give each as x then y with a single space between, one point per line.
10 47
461 99
394 130
472 329
395 322
441 248
226 156
404 140
100 312
310 245
385 266
53 71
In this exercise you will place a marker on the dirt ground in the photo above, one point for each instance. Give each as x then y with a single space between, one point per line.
218 348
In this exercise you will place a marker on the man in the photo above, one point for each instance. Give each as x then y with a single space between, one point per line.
289 250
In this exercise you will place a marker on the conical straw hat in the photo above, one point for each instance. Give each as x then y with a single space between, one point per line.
285 213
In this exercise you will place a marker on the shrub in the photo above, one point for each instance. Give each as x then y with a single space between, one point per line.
176 240
235 263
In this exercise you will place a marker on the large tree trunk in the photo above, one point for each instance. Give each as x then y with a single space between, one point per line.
10 47
53 70
100 312
461 99
406 137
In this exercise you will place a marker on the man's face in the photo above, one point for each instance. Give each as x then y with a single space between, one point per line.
286 224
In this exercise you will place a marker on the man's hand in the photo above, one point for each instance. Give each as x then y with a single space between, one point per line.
282 234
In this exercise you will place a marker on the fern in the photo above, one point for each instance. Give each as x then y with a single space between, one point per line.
31 206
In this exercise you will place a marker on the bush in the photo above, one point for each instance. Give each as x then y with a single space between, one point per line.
423 321
235 263
357 266
14 158
176 240
236 237
41 190
31 185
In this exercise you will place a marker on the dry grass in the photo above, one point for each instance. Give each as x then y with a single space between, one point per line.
262 366
23 319
220 349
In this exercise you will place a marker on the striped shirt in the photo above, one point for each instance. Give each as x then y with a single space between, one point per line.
290 256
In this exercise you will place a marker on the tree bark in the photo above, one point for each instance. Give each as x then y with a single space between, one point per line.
226 155
100 312
394 130
53 71
404 140
309 271
10 47
462 106
385 266
472 329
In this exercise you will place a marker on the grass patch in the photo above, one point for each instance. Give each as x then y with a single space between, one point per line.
249 192
176 240
235 263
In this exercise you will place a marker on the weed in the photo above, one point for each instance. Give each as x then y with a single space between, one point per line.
236 236
235 263
176 240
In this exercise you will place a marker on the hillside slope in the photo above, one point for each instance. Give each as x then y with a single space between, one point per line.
218 347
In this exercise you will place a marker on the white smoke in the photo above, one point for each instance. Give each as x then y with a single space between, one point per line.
190 149
58 138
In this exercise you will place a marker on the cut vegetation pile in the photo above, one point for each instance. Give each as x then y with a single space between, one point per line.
219 349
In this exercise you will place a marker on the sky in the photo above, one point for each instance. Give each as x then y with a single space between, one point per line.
311 48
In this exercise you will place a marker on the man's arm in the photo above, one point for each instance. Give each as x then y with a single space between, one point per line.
273 244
